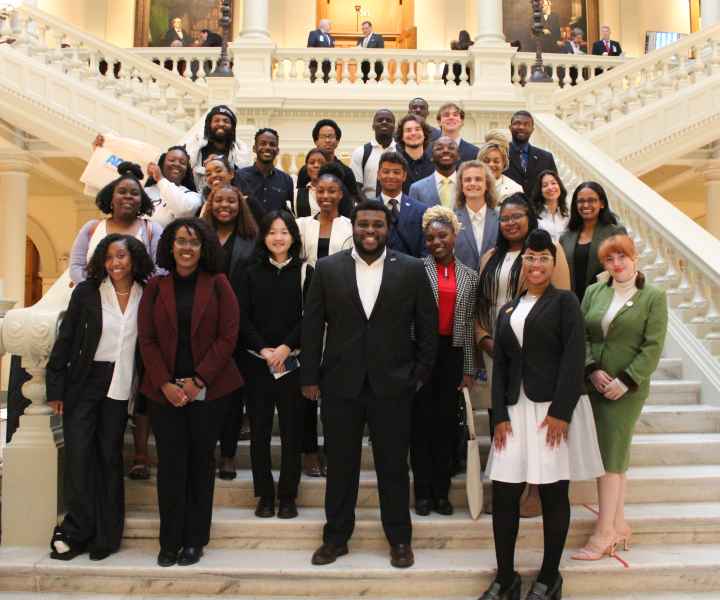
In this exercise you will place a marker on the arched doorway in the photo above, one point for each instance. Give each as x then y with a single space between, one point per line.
33 281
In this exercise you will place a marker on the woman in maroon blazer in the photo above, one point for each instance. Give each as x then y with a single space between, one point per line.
187 329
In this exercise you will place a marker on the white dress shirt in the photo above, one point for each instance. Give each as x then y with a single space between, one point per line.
386 201
119 338
555 224
452 184
312 200
369 279
368 176
477 220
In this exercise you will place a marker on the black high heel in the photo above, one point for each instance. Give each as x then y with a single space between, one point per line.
540 591
494 592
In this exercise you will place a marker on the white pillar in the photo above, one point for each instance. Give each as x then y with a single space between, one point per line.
710 13
14 175
256 16
711 174
489 14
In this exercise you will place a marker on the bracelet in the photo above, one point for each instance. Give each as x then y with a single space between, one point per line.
198 383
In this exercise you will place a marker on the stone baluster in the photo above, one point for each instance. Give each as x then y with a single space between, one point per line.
464 77
385 75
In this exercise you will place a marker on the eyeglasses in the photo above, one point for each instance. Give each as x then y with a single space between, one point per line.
183 243
529 259
513 218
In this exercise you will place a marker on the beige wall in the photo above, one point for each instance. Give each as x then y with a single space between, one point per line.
639 16
112 20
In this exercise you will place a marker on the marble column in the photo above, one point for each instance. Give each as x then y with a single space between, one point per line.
255 19
14 174
711 174
489 23
710 13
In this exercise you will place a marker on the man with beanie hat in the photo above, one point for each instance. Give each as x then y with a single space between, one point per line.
216 137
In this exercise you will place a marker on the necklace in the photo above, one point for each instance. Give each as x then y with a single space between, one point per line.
119 293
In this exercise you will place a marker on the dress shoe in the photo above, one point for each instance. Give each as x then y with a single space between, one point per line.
190 555
423 506
540 591
311 465
166 558
227 475
401 556
99 554
265 508
287 509
443 507
328 553
494 592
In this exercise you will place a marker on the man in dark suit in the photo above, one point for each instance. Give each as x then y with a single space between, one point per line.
406 234
359 354
551 28
420 107
321 38
176 34
605 46
370 39
451 119
526 161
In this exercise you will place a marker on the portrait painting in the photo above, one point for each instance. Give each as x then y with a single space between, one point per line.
559 19
176 23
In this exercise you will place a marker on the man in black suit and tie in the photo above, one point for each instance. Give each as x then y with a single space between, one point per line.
370 39
375 310
526 161
321 38
451 119
605 46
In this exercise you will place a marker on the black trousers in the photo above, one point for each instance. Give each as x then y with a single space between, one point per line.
266 393
186 439
232 424
310 427
388 420
506 521
94 477
435 424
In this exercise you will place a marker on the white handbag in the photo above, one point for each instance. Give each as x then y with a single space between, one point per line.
473 478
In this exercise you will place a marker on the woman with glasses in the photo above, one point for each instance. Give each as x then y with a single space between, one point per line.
187 328
544 433
591 222
502 280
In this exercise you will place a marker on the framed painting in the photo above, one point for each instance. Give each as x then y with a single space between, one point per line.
560 18
176 22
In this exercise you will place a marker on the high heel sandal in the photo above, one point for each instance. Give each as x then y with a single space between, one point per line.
623 539
590 551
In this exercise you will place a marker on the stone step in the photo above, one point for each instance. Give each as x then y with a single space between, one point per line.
676 523
669 368
362 573
676 483
646 450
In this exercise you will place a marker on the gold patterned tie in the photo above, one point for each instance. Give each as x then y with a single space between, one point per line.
445 198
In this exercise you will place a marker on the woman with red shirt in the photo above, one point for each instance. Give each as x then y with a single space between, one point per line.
435 410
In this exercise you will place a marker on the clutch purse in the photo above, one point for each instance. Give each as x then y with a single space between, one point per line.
473 478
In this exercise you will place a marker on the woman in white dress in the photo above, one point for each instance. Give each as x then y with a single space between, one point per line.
544 427
494 153
550 203
323 234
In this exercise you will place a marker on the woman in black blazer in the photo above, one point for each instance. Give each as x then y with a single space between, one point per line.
544 431
435 405
90 381
271 291
591 222
228 213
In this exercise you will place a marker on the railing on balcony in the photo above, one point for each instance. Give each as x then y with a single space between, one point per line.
565 69
631 86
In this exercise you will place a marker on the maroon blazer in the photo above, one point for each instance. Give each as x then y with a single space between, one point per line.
214 330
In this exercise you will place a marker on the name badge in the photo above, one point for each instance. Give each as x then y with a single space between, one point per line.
322 38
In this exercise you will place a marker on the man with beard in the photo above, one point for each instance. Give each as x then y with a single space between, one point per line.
526 161
441 186
327 135
413 138
269 188
362 304
365 159
420 107
217 136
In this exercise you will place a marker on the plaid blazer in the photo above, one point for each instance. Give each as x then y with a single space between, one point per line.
465 301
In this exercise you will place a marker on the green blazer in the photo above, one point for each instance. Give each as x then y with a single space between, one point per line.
631 351
569 239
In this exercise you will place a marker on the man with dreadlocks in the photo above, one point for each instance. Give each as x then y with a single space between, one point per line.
217 136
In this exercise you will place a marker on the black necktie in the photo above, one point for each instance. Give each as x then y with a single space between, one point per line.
394 210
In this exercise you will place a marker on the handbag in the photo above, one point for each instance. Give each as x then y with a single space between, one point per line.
473 477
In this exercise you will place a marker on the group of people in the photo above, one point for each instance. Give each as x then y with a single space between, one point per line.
376 291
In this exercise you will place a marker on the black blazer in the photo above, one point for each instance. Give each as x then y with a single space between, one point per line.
381 349
72 355
598 48
550 365
467 151
172 36
538 160
375 41
318 39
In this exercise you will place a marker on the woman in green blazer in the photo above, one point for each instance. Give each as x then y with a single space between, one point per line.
591 222
625 327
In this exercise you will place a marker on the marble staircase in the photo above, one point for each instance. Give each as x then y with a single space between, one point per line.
673 508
